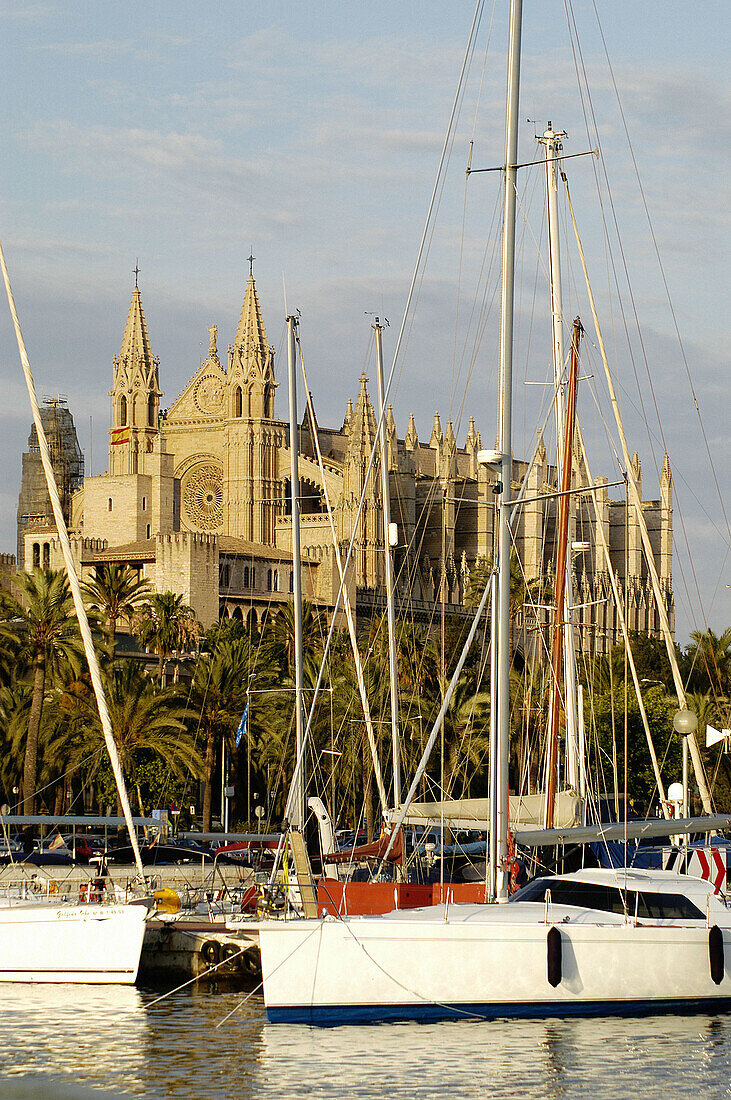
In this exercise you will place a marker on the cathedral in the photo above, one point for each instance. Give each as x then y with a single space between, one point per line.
197 498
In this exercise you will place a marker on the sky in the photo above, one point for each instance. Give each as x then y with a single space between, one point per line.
189 136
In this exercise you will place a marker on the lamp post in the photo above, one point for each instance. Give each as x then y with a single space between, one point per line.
685 723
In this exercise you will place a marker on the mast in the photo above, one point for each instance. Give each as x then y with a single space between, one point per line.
552 142
300 775
562 610
385 491
507 295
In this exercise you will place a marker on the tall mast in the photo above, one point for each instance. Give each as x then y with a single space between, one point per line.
300 776
507 296
562 554
551 140
385 492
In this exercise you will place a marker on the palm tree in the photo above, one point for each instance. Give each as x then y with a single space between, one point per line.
15 704
48 636
166 624
217 697
115 594
144 720
280 630
523 591
709 656
466 736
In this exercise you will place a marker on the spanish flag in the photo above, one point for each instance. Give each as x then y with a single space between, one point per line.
119 435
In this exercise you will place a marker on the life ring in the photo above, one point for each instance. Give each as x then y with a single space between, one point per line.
211 952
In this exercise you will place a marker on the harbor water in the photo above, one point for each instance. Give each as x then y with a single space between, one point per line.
90 1042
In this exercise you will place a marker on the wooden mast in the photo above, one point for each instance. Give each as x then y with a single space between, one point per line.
562 534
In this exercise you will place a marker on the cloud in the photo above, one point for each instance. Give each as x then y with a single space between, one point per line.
101 48
26 10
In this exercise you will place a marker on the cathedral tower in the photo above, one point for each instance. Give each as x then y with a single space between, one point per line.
135 396
369 538
251 464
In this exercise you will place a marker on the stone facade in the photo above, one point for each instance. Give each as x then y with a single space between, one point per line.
199 497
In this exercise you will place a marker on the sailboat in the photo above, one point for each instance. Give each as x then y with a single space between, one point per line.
593 942
53 937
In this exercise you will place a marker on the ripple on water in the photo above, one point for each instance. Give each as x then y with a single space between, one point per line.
91 1041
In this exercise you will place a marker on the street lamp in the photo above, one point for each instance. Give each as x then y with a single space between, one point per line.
685 722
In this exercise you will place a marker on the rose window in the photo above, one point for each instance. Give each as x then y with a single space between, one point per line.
203 498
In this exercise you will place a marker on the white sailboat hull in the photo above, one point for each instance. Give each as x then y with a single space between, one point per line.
493 963
99 944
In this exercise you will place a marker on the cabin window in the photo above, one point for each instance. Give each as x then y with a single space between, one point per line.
238 402
36 555
123 411
610 899
46 556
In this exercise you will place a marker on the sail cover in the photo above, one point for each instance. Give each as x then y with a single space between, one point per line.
526 812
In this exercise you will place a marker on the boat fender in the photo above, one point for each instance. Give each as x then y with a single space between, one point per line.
231 955
553 956
251 962
715 954
211 952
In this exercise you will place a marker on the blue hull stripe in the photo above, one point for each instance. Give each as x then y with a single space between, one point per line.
334 1015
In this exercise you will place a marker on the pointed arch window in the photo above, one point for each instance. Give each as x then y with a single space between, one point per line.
46 556
123 410
270 580
36 555
151 410
238 402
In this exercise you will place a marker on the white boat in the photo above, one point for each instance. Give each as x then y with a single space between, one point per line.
595 942
48 941
592 943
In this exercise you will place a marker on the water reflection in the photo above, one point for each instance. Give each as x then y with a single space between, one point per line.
652 1057
58 1042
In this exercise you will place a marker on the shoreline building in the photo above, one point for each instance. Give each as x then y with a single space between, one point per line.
197 498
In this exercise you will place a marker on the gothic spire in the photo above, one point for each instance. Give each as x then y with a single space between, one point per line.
348 417
436 433
411 439
363 424
251 334
448 457
136 342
